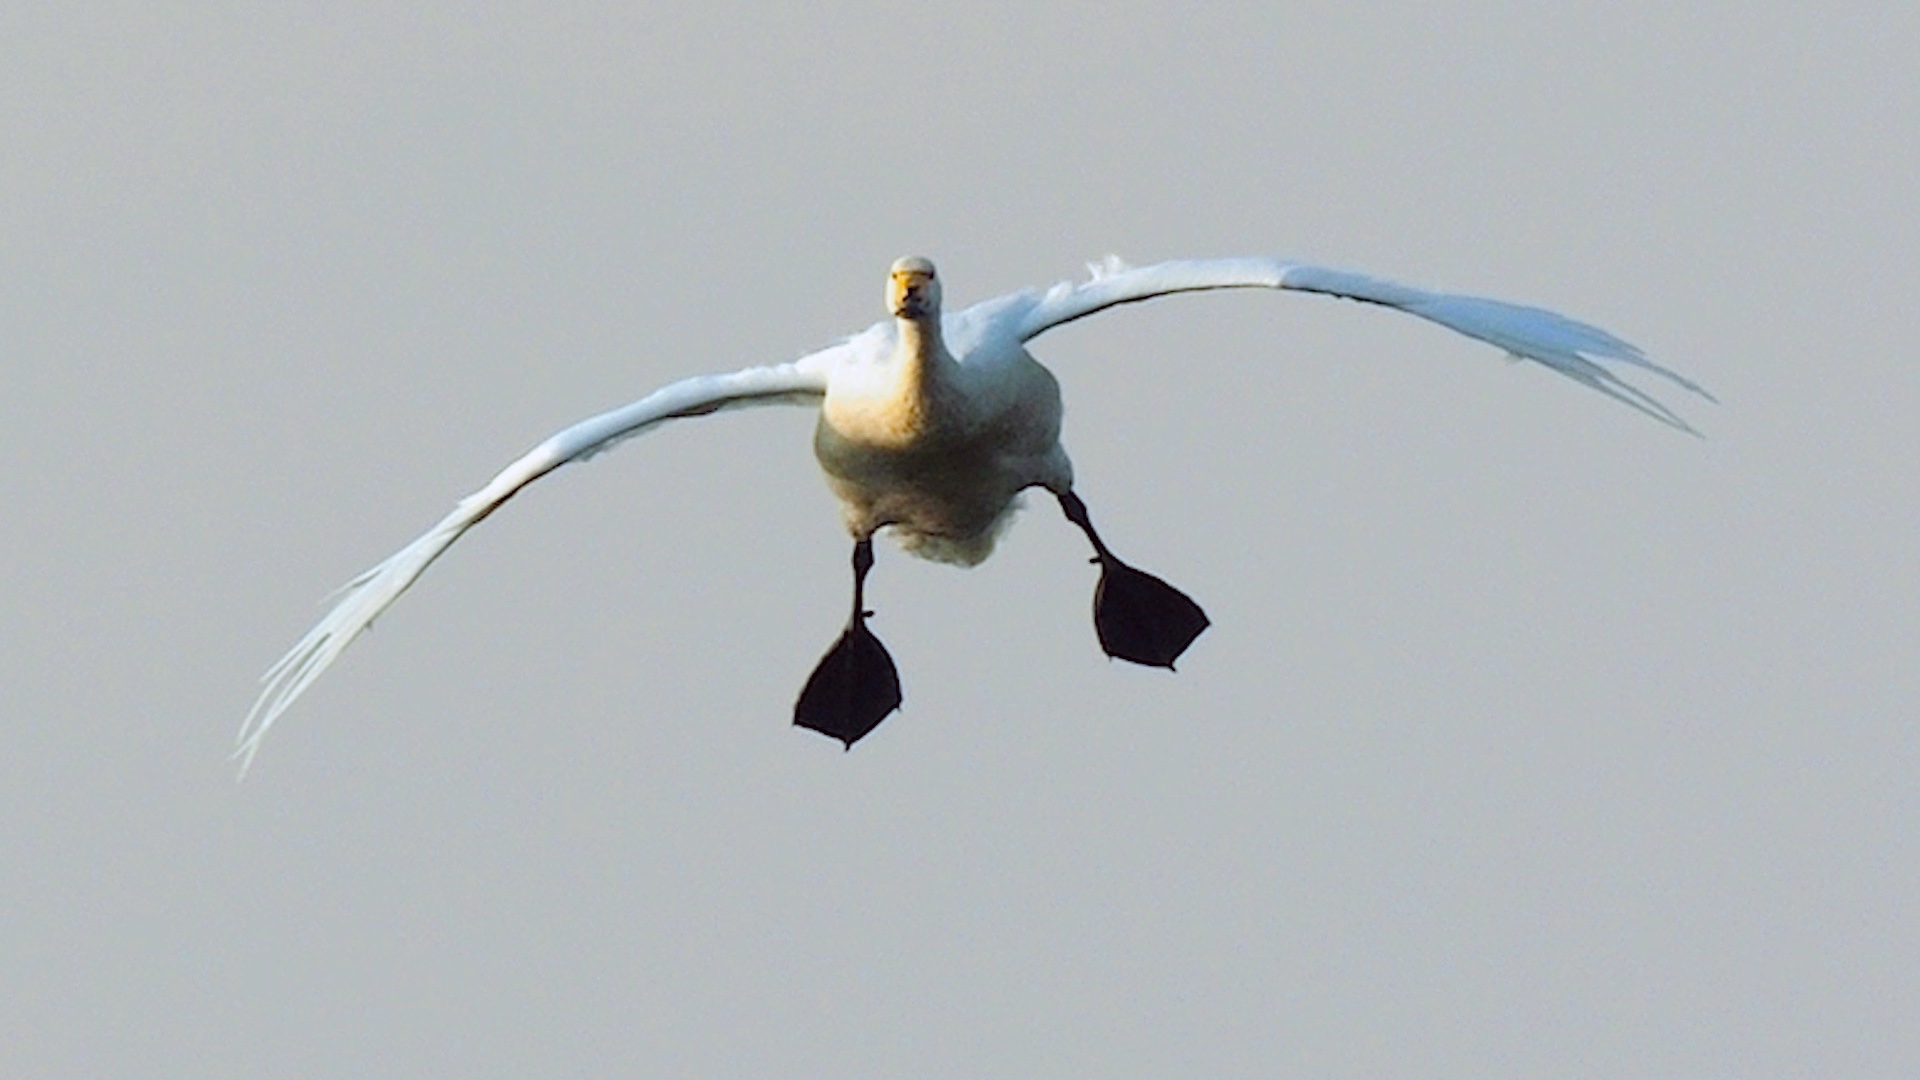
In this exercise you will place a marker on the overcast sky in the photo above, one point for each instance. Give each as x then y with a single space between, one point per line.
1531 738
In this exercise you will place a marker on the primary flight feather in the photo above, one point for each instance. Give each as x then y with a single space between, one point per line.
929 426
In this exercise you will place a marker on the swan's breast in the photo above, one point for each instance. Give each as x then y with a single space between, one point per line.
942 467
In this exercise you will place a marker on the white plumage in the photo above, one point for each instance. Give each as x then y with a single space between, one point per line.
931 424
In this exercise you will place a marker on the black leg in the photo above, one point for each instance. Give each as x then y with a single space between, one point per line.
855 685
1138 617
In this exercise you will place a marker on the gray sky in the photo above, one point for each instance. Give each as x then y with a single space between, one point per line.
1531 738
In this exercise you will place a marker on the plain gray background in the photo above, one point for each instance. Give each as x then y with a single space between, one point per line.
1531 738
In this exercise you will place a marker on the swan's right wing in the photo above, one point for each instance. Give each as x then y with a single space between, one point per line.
1568 346
361 600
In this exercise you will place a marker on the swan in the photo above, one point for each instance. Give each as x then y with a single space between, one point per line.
930 425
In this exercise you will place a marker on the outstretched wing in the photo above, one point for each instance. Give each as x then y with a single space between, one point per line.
1572 348
361 600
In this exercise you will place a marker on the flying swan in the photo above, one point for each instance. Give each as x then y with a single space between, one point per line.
930 425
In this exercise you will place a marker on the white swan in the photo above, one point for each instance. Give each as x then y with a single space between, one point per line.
930 425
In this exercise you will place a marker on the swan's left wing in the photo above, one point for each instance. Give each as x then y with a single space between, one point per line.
1572 348
361 600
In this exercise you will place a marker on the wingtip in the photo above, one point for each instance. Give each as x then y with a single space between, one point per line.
244 754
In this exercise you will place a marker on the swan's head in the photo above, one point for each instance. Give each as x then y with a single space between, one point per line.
913 292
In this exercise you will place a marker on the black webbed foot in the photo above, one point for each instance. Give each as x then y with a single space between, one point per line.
852 690
1141 618
855 685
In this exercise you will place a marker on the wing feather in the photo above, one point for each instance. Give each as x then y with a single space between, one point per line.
1572 348
360 601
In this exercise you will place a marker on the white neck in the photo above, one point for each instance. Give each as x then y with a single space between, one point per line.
921 334
923 356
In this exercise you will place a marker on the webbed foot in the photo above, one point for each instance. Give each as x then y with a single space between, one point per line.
854 687
1141 618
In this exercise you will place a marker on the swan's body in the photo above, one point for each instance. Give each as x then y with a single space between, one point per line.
930 425
935 447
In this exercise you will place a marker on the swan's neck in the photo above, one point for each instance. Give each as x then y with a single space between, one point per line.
894 406
925 365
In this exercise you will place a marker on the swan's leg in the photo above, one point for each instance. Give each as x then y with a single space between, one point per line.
856 685
1138 616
